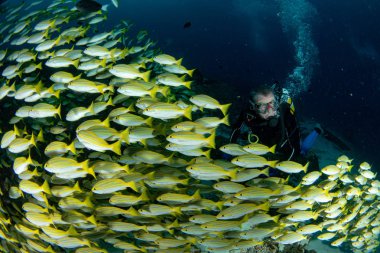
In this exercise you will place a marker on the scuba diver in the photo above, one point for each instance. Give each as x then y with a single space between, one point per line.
269 118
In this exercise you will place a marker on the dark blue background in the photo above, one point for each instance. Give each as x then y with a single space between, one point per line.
242 43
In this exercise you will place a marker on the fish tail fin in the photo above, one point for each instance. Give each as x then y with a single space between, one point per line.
144 196
33 140
106 122
273 148
225 120
265 171
91 108
77 187
124 136
133 186
197 195
90 170
116 147
57 40
305 167
91 219
87 201
272 163
153 91
149 121
40 136
126 168
39 65
76 63
224 108
103 62
276 218
131 108
46 188
179 61
188 84
72 148
211 139
165 90
264 206
233 173
59 111
145 76
207 154
190 72
187 112
72 231
57 94
13 86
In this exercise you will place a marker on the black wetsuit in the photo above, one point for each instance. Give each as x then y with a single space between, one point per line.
283 131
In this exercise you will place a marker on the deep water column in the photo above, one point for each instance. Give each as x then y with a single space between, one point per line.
296 17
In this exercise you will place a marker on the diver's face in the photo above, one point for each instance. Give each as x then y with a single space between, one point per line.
265 105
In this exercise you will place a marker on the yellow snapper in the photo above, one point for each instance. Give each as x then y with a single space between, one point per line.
64 191
87 86
173 80
252 161
91 141
32 187
290 237
166 59
59 148
61 61
256 193
57 233
19 145
331 170
138 88
111 185
178 69
43 110
65 165
150 157
212 122
205 101
127 71
162 110
176 198
210 171
259 149
129 119
291 167
128 200
191 138
241 210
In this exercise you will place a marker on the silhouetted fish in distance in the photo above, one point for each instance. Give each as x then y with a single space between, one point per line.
187 25
88 6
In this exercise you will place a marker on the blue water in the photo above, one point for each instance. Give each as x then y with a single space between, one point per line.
333 46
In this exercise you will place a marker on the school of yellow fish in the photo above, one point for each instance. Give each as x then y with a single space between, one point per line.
107 144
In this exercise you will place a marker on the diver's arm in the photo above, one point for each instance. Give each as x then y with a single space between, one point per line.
293 132
237 127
